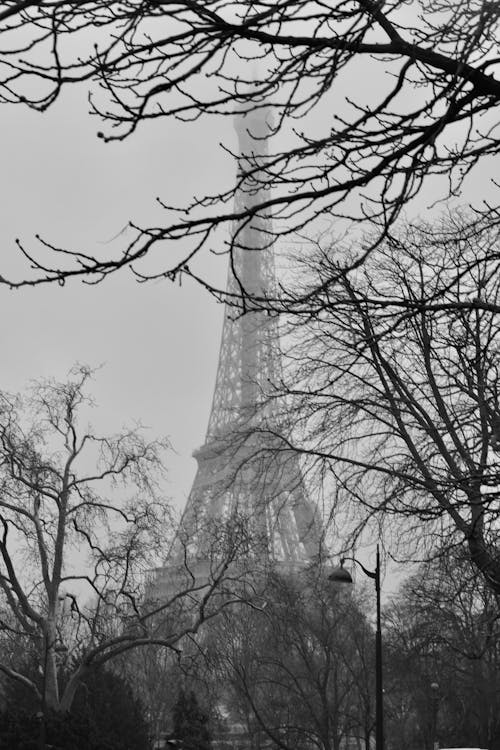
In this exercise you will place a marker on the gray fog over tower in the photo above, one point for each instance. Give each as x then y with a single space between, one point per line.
245 472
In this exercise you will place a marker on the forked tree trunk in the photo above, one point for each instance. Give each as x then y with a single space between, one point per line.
68 696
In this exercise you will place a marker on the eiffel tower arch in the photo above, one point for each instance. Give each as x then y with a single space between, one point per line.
246 475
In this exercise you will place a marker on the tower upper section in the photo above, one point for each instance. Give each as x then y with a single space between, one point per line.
247 478
249 359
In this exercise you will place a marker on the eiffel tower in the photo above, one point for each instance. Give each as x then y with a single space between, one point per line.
245 471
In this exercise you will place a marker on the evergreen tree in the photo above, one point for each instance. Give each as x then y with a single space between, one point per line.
190 723
105 715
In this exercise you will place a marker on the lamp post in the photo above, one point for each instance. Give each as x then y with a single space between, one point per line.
341 575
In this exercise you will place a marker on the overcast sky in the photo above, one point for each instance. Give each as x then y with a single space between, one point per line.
158 342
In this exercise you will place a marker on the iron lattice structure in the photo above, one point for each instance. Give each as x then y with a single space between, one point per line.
246 474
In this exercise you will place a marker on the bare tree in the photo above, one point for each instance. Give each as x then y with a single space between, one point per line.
296 671
358 154
82 519
442 657
155 678
403 409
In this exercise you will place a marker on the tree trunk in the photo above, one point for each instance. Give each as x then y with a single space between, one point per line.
71 688
487 563
50 695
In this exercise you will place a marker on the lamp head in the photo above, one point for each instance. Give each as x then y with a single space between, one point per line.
340 574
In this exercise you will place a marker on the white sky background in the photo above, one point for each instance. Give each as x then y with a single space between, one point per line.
159 343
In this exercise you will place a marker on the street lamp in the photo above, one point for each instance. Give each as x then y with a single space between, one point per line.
341 575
